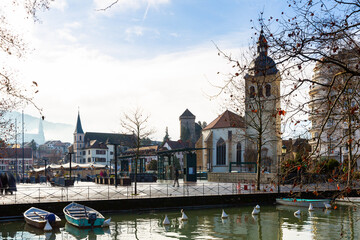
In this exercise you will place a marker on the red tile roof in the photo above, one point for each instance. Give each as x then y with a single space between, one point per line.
227 120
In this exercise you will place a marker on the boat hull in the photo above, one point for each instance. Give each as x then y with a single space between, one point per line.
300 202
36 218
79 215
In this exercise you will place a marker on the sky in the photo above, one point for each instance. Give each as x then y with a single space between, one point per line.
159 55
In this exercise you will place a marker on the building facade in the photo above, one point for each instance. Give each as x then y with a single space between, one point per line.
262 106
222 144
99 148
334 111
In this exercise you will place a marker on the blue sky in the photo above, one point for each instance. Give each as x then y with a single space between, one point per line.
156 54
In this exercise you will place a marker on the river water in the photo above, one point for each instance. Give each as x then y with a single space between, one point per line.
273 222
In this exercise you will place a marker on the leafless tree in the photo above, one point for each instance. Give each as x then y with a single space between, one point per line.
13 95
323 35
136 122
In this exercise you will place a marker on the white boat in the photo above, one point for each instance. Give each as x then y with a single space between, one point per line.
302 202
38 217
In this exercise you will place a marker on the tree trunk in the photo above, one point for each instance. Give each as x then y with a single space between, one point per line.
258 164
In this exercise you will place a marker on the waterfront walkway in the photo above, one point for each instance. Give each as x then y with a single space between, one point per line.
85 191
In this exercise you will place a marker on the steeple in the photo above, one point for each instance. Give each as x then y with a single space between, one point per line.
78 128
262 46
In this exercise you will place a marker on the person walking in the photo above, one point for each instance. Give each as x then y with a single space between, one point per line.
176 179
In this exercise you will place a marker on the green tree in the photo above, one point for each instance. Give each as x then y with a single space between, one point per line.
166 137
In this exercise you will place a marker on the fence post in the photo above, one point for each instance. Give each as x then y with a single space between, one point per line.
39 194
127 191
203 189
67 194
167 190
150 190
108 191
88 193
218 188
15 197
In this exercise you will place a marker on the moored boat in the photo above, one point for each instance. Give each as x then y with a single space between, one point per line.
38 217
302 202
82 216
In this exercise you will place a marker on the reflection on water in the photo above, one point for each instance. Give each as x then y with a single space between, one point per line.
273 222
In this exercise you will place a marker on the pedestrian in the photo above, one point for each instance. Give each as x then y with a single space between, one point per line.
176 179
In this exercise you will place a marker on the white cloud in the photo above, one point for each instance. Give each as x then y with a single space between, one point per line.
66 35
125 5
138 31
104 87
59 4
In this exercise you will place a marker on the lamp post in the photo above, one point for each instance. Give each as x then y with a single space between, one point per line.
70 164
283 152
115 157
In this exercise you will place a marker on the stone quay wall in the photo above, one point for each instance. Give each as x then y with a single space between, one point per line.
266 178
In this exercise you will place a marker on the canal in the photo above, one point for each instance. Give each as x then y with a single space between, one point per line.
273 222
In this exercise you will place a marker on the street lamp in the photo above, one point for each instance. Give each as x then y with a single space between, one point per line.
115 157
70 164
283 152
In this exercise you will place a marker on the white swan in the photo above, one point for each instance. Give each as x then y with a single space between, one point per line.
311 208
47 226
224 215
255 211
166 221
297 213
106 223
257 207
327 206
183 215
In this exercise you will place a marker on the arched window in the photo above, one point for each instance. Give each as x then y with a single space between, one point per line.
238 153
260 91
221 152
252 91
268 90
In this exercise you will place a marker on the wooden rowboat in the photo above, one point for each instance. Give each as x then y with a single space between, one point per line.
82 216
302 202
38 217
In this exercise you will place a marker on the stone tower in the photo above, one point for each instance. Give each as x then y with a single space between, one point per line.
78 141
187 126
262 106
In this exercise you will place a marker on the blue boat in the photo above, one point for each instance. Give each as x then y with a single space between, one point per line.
82 216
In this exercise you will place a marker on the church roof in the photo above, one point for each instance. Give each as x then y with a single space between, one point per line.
187 113
227 120
95 144
78 128
113 138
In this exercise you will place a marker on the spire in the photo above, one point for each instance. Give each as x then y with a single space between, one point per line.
262 45
78 128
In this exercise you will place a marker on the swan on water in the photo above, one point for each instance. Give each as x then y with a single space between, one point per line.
183 215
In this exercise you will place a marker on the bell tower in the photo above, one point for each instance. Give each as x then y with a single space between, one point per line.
78 141
262 104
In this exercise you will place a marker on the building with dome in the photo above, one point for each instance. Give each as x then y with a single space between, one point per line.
232 141
262 105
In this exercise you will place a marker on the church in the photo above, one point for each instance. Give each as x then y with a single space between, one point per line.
231 143
98 148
